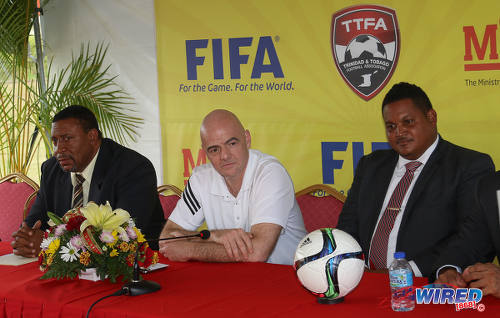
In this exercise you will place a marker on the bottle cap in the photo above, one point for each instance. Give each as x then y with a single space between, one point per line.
399 255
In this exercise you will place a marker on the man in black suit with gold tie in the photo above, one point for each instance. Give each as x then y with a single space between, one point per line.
412 197
478 241
86 167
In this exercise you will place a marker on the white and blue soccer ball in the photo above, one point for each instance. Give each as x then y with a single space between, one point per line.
329 263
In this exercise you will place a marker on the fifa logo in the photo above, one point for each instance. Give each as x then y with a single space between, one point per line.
266 50
365 46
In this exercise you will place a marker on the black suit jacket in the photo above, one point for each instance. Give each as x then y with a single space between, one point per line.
440 199
121 176
479 236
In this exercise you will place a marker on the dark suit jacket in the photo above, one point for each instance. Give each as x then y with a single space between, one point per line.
441 197
479 237
121 176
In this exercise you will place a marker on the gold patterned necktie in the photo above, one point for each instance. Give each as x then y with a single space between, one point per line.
78 193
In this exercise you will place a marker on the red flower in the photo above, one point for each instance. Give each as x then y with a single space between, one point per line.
75 222
130 259
147 258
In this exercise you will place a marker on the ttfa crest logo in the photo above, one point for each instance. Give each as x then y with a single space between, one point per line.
365 44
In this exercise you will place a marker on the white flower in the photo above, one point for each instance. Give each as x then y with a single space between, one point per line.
123 236
46 242
131 222
69 253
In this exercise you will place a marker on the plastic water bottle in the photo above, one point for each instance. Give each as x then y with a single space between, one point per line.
401 280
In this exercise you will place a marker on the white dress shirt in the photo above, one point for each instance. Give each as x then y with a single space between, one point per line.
87 174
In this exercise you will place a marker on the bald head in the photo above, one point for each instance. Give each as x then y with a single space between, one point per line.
220 118
226 144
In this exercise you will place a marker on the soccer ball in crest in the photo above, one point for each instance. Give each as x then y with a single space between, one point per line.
365 46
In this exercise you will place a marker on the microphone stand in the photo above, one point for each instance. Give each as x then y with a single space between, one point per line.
139 287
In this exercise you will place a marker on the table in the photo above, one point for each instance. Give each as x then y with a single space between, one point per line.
197 289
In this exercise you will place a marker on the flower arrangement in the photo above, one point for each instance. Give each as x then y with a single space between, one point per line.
94 236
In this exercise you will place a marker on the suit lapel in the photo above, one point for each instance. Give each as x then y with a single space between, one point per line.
432 165
99 173
494 219
381 183
66 191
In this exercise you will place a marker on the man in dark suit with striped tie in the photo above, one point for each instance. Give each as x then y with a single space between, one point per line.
412 197
87 167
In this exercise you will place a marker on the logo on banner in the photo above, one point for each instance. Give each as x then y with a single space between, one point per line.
485 48
365 44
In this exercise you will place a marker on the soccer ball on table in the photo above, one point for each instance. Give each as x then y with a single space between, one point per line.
329 263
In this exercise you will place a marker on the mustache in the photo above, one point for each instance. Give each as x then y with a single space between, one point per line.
403 140
63 156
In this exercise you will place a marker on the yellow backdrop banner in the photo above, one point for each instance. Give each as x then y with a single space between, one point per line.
288 69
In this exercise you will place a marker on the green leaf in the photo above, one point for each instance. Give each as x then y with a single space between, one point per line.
55 218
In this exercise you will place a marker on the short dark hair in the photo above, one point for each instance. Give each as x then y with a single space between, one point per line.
406 90
84 115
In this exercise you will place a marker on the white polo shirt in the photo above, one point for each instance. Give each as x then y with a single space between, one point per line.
266 196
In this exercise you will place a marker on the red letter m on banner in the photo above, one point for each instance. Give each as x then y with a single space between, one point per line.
489 39
189 161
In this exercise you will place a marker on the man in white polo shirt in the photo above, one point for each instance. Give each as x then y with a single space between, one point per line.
246 198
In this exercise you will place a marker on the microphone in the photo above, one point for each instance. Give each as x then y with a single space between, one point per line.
139 287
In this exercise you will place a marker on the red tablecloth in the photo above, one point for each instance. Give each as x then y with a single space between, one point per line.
204 290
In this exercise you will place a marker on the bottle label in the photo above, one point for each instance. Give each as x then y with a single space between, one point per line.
401 278
402 285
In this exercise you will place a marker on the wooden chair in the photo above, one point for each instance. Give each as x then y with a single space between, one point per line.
15 190
169 201
320 205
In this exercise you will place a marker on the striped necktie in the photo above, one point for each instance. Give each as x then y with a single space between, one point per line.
378 248
78 193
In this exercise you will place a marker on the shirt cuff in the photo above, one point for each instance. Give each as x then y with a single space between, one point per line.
415 269
459 270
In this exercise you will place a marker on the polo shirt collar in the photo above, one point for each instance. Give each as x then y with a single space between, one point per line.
219 186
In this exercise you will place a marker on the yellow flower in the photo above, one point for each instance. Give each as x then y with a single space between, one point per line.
155 258
103 217
124 247
132 247
140 237
85 258
50 259
131 258
53 246
113 253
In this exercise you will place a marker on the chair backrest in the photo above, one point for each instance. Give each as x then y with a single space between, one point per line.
15 189
169 201
320 205
29 203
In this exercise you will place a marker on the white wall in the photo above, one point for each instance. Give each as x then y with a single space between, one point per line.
129 28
